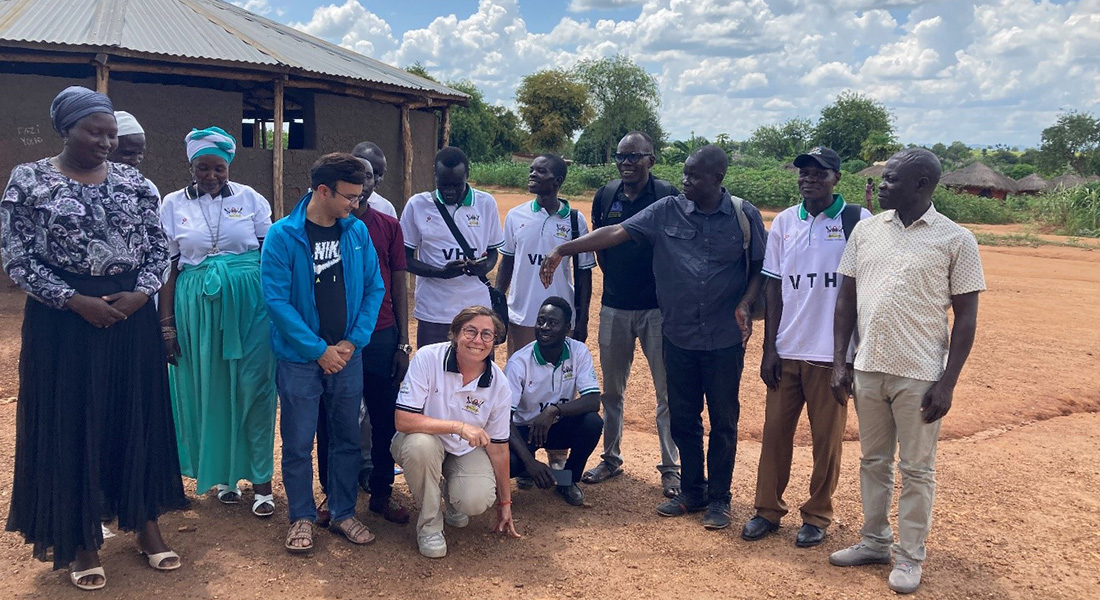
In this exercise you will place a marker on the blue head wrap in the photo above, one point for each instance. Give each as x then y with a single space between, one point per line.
212 140
73 104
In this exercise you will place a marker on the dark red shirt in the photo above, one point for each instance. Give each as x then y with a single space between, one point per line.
385 233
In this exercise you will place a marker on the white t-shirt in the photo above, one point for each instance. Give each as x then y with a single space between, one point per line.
433 387
190 221
439 300
537 384
530 233
381 205
803 252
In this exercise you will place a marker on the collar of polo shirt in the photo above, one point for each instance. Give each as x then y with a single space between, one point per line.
467 201
831 212
564 354
192 192
928 217
450 364
562 212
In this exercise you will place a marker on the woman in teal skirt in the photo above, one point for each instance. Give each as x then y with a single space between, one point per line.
215 326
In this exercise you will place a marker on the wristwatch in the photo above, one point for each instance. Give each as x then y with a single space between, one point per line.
406 348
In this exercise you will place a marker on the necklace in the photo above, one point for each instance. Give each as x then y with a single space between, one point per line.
215 234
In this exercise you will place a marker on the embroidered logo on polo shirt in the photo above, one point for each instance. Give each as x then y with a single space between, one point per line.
834 232
616 210
562 232
472 405
234 212
473 220
183 221
567 372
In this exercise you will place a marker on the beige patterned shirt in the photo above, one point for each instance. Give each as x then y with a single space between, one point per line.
905 278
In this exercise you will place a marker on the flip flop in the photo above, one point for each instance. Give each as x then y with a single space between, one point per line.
159 557
76 576
600 473
228 495
262 500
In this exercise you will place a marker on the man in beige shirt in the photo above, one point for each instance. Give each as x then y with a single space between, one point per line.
902 270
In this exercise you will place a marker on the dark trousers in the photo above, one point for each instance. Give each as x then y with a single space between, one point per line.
715 375
380 398
431 333
303 387
579 433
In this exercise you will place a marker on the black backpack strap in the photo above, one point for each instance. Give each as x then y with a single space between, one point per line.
466 249
611 189
661 188
849 217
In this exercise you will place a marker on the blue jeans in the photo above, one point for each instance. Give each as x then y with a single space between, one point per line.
303 388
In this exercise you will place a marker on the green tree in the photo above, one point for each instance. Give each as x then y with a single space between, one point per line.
784 141
879 145
625 98
847 122
677 152
1073 140
420 71
483 131
554 106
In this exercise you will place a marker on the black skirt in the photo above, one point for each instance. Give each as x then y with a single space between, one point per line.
94 430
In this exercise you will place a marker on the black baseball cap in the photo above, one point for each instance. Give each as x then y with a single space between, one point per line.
824 157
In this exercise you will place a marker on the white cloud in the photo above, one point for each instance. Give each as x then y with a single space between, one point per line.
982 71
260 7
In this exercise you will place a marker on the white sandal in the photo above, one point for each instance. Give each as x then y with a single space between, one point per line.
76 576
159 557
262 500
226 494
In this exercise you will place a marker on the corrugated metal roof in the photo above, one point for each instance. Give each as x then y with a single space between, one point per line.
202 29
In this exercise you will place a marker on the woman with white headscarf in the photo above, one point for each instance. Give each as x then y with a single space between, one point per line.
80 235
215 326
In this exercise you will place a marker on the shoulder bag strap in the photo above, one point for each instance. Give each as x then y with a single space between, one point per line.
450 221
848 218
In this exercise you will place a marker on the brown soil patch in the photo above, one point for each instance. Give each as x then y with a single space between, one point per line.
1016 508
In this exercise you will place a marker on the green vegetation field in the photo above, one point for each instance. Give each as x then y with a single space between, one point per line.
1074 212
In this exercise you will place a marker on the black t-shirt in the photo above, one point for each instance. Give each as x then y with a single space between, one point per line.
628 281
328 281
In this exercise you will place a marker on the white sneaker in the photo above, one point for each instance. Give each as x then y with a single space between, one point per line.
433 545
905 578
454 518
859 554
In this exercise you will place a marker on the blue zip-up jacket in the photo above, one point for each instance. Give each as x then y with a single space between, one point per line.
286 273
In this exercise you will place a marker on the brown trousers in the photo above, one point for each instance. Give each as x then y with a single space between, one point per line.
802 383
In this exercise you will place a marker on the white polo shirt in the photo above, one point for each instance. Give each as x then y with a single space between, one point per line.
439 300
803 252
381 205
530 233
537 384
433 387
239 218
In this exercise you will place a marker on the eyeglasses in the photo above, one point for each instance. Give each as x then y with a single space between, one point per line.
349 198
487 335
630 157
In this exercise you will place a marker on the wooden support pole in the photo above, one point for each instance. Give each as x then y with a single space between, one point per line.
447 125
277 155
407 151
102 73
257 136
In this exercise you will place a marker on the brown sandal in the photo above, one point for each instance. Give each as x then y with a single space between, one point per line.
300 530
354 530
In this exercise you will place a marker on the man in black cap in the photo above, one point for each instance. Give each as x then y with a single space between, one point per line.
804 248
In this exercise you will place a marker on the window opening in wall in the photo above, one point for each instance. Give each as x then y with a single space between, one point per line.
258 119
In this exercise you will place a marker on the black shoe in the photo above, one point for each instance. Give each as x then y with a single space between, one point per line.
572 494
758 528
718 515
364 480
809 536
678 506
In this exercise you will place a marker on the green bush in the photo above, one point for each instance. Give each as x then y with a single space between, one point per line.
967 208
1074 211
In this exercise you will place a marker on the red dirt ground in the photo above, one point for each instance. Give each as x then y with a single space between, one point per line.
1017 510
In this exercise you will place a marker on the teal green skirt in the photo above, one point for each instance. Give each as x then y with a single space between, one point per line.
223 390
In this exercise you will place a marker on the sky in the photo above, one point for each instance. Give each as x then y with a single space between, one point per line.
980 71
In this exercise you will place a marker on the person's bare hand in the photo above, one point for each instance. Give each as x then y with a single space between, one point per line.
541 473
399 366
453 269
332 361
936 402
474 435
771 369
743 314
550 264
541 424
127 303
172 350
95 310
502 521
346 349
841 382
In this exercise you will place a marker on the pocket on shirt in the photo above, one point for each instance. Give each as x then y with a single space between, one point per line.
680 233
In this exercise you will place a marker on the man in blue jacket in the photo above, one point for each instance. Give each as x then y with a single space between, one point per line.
323 290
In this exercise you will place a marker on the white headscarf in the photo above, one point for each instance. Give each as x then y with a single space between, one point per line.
127 124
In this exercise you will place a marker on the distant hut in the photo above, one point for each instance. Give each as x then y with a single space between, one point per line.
1032 184
1069 180
874 170
979 179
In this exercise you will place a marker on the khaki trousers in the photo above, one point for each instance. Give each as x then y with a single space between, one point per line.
890 421
470 483
802 383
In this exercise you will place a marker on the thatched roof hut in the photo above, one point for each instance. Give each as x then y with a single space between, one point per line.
1066 181
1032 184
874 170
979 179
